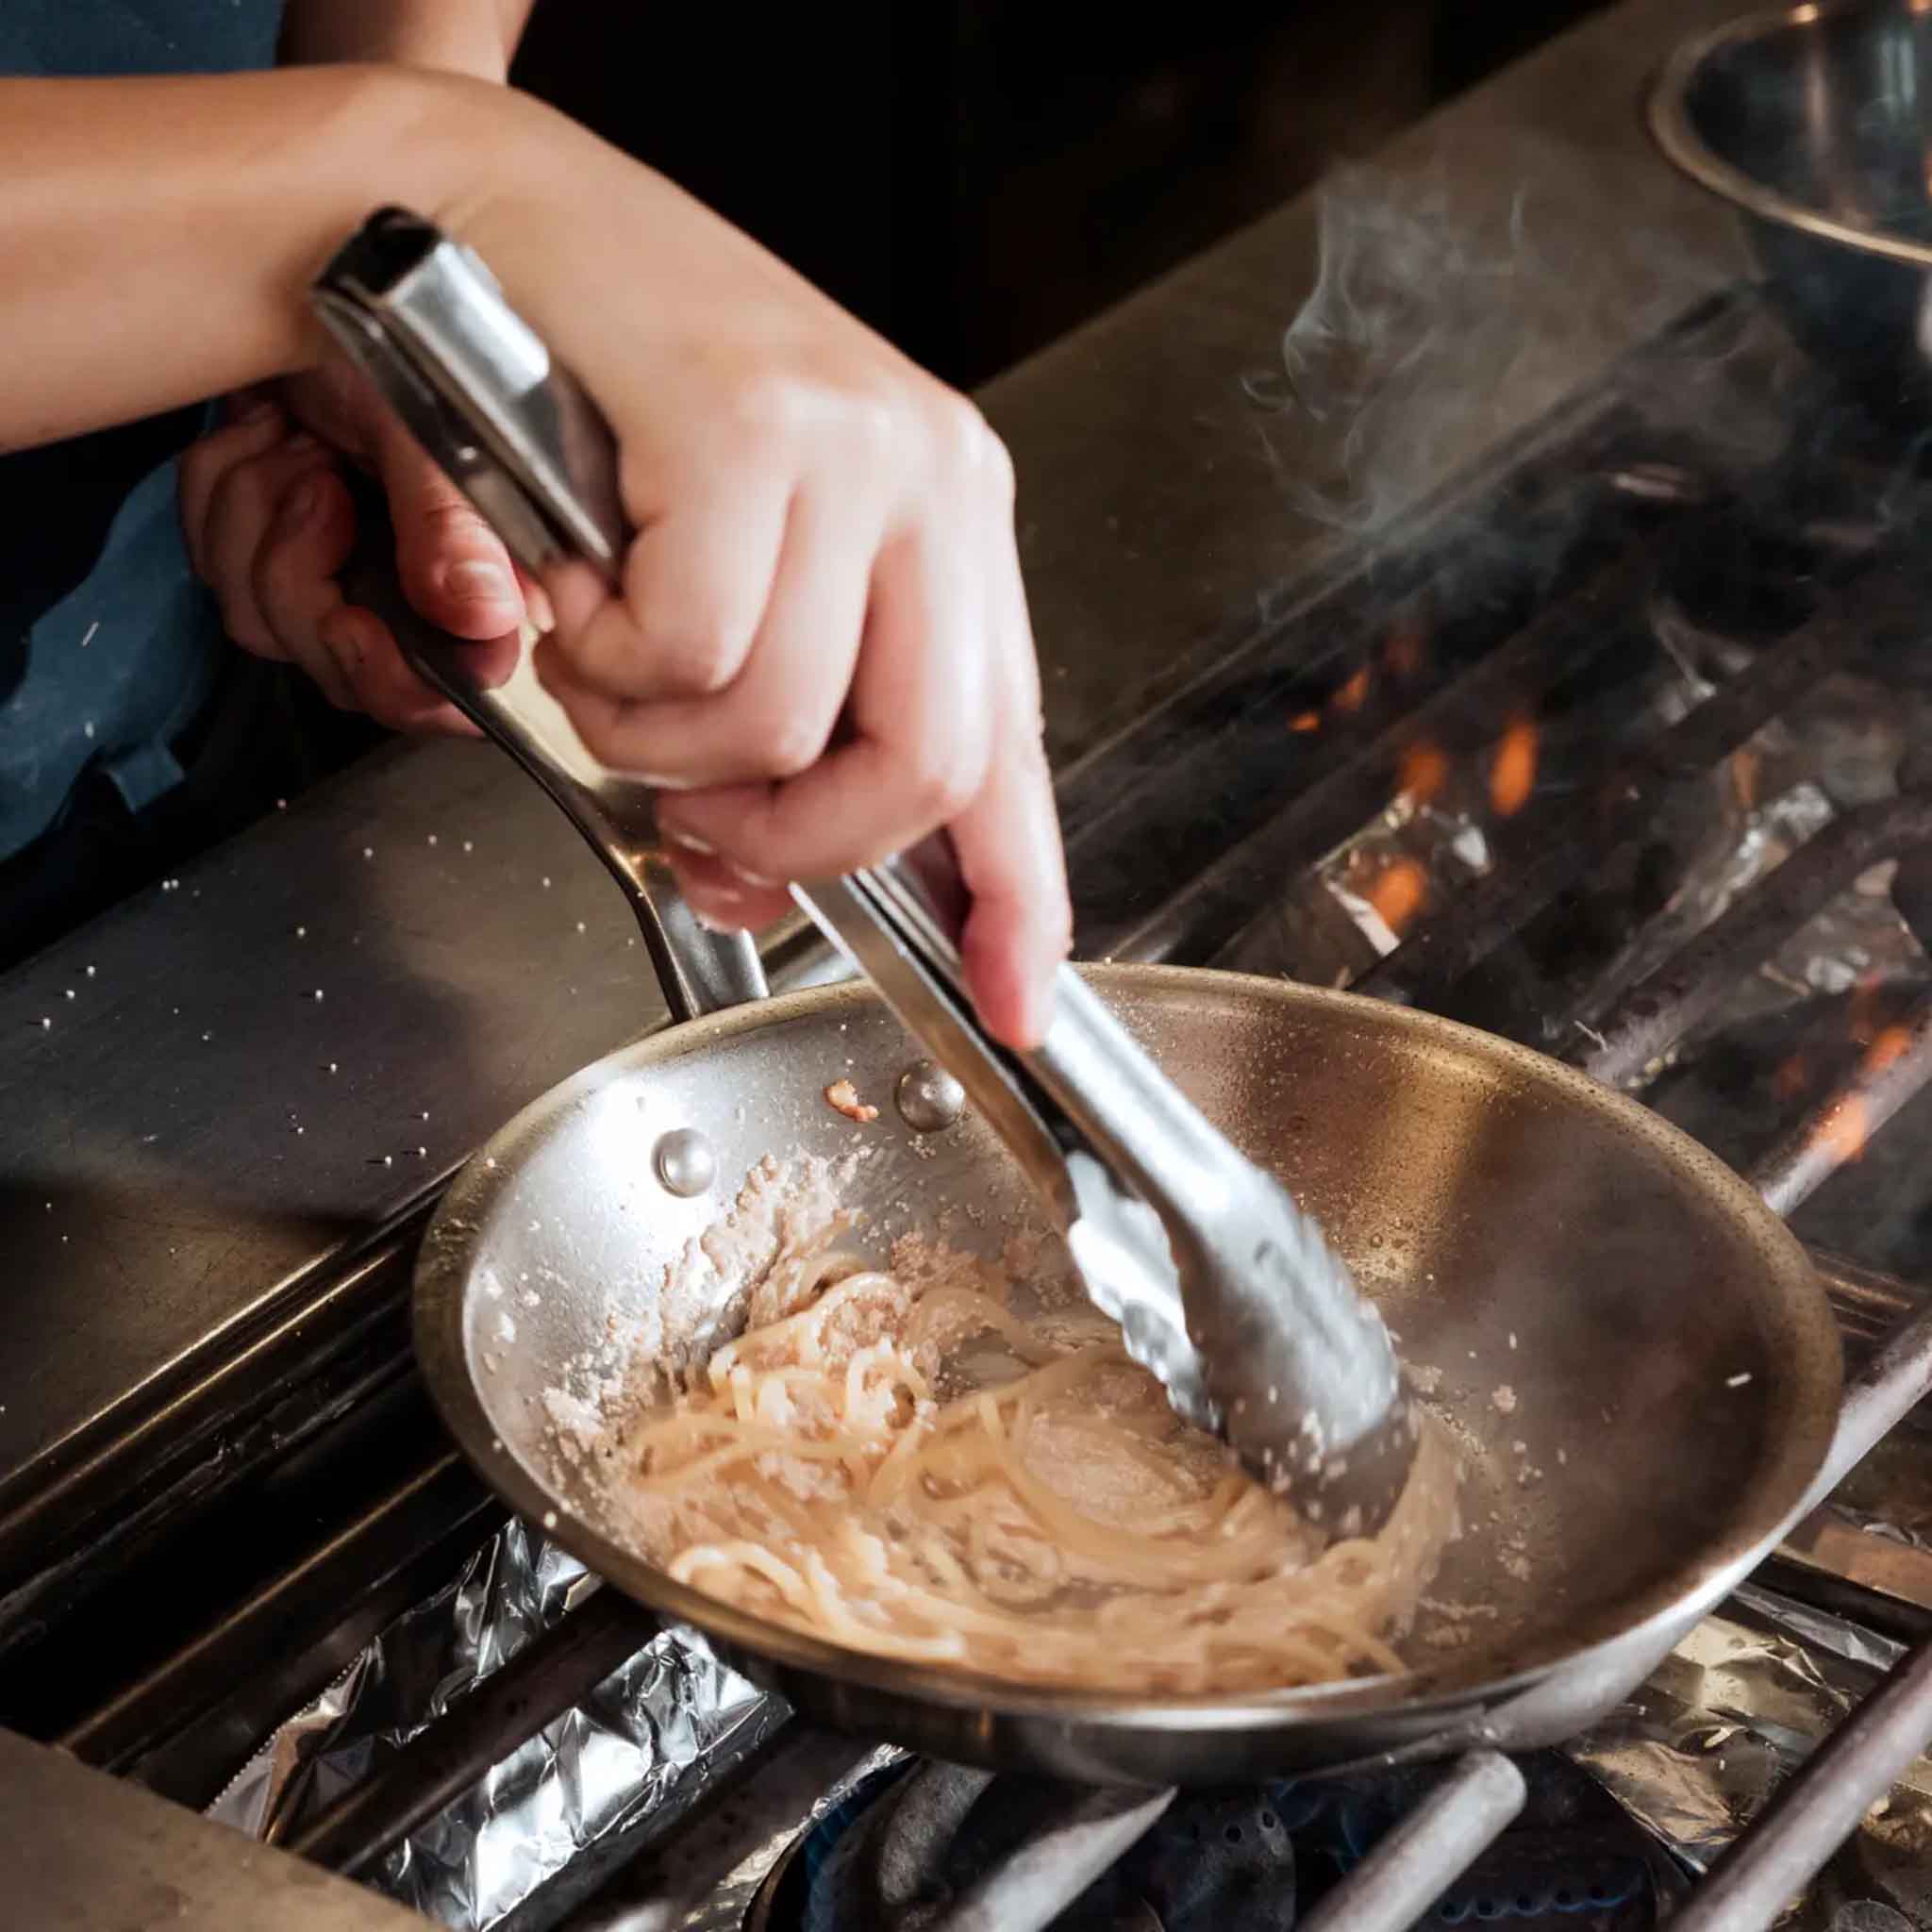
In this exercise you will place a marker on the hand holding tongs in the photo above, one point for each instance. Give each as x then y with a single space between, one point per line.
1238 1306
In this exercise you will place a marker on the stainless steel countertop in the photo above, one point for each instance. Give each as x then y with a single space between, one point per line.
190 1130
90 1853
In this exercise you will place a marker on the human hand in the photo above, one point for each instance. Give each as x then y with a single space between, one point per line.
270 523
820 649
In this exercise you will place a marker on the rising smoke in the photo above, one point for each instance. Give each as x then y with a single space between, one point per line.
1462 295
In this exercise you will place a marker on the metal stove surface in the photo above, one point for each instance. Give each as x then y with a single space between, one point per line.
1620 705
1653 640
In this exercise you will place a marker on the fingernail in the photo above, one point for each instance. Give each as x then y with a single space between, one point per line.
299 505
716 914
1037 1010
688 841
478 583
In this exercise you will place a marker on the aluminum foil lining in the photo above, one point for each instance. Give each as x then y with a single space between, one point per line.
1697 1751
1693 1755
646 1743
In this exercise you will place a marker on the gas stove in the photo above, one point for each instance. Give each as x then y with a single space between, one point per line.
1612 743
1611 748
1248 1860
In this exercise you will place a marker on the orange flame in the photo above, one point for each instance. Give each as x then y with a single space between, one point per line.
1425 772
1354 694
1403 652
1843 1132
1306 720
1893 1044
1865 1004
1398 893
1745 764
1512 776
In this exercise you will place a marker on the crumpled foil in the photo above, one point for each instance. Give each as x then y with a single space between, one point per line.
650 1737
1697 1751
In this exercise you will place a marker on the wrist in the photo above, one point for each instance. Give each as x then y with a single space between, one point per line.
418 137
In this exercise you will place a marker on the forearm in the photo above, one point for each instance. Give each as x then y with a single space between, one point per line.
472 37
156 235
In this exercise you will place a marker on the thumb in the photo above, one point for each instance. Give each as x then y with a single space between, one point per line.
453 569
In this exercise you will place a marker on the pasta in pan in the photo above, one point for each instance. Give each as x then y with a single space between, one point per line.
901 1463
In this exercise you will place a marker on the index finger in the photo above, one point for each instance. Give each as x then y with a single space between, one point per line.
1020 925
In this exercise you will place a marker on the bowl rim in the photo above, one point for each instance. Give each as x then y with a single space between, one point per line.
1671 128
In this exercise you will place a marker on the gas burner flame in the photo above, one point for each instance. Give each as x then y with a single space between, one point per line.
1746 766
1846 1129
1512 772
1845 1132
1867 1008
1424 771
1350 698
1398 893
1406 650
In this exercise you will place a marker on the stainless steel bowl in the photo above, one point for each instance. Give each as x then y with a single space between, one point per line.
1816 123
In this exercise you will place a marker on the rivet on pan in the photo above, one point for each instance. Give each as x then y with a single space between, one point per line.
928 1097
684 1161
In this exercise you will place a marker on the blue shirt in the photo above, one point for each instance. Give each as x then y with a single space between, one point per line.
108 645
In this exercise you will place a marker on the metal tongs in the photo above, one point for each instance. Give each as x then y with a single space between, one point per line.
1221 1287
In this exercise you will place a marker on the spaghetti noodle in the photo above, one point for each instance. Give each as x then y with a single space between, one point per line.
909 1467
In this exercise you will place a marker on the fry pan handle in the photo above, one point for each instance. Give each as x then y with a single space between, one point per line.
495 688
424 320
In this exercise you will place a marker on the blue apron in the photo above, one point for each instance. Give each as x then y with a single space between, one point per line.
111 657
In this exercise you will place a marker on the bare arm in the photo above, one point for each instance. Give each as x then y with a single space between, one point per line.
156 235
474 37
826 533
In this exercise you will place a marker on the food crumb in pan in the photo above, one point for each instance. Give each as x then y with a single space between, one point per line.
1503 1399
1424 1379
843 1096
1737 1380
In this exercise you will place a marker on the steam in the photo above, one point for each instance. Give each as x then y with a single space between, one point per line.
1463 294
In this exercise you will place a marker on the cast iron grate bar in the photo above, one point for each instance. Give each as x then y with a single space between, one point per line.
1571 836
1362 778
1653 1016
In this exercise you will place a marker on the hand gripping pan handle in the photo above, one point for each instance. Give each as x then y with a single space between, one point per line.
1220 1285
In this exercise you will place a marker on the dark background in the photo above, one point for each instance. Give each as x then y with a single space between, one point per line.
975 177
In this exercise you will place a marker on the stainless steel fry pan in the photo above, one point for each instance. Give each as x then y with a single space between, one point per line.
1635 1352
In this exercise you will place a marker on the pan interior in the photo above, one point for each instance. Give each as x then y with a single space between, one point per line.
1629 1351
